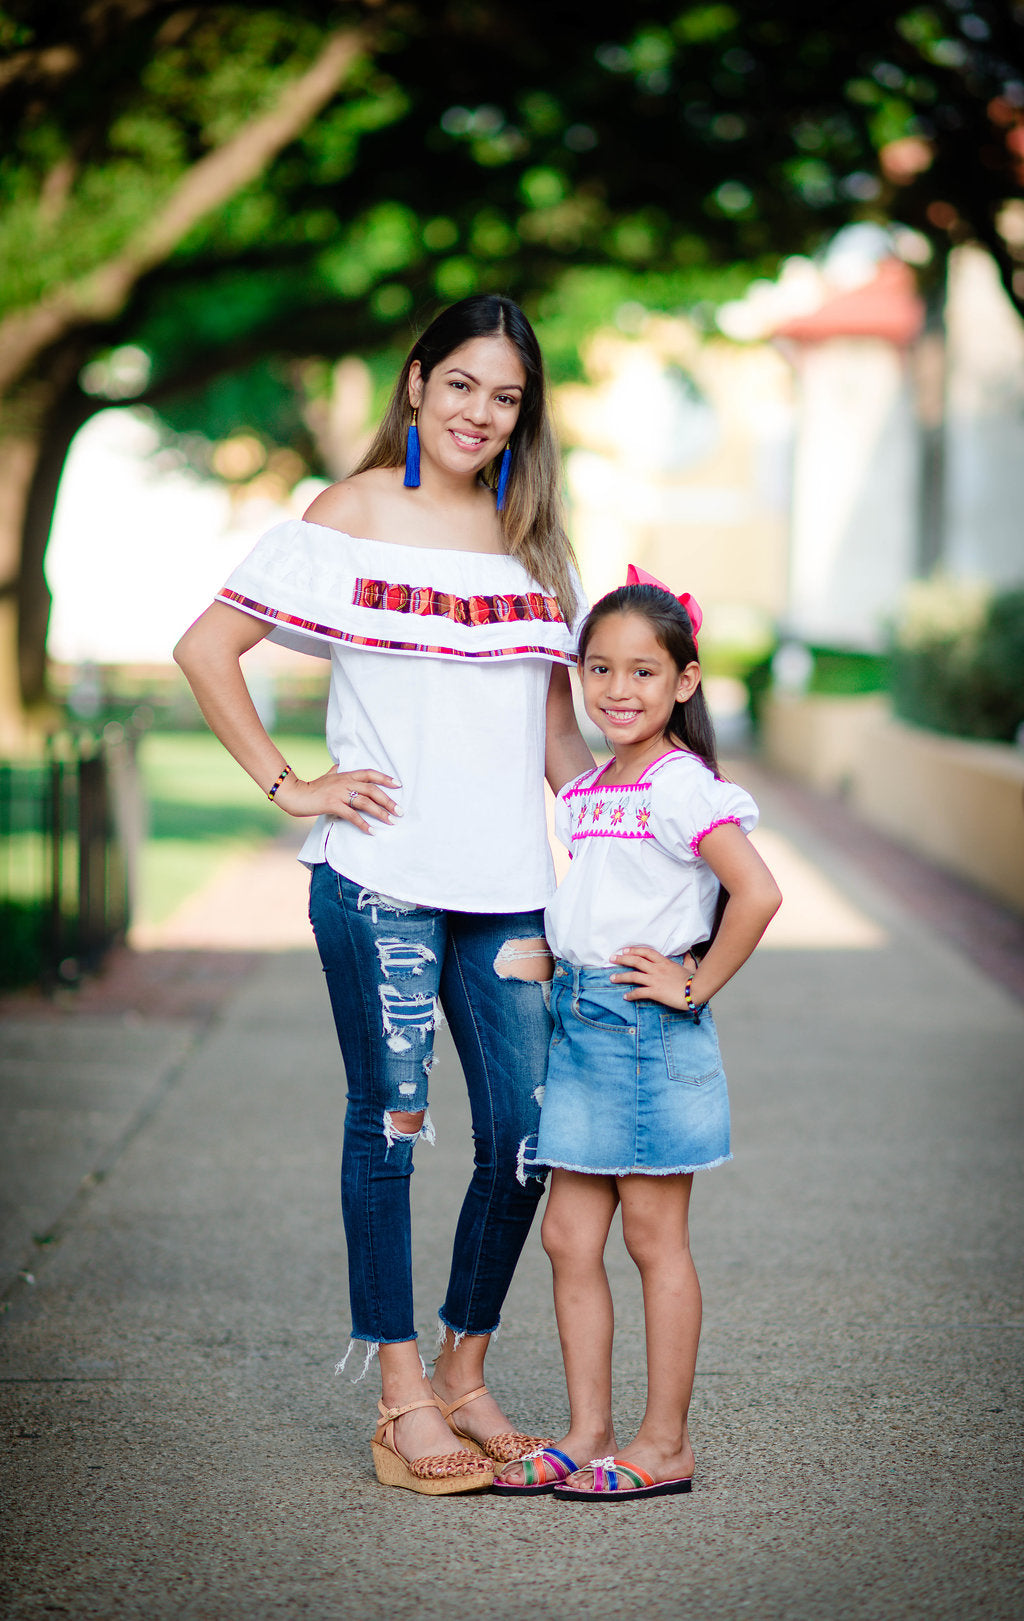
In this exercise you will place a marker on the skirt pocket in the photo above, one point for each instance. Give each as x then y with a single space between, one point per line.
692 1055
605 1010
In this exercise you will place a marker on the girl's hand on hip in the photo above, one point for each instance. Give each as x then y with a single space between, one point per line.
655 978
350 796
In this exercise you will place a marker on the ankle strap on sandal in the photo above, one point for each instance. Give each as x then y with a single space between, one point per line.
388 1414
448 1408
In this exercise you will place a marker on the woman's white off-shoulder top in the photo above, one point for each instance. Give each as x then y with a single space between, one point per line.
440 662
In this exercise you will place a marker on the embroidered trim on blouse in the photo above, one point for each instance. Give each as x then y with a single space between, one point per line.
623 821
385 643
597 771
476 610
722 822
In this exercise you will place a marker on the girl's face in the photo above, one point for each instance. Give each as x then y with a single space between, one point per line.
469 404
630 682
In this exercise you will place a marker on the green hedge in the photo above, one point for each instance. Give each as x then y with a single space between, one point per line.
834 671
962 671
22 938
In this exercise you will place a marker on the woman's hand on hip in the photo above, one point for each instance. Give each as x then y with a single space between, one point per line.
350 796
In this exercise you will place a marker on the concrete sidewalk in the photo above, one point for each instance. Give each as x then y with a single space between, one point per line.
177 1445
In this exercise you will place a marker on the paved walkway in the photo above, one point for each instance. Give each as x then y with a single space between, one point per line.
177 1447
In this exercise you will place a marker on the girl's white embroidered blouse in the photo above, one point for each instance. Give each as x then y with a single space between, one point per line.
637 877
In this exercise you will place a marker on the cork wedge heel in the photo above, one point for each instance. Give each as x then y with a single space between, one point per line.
434 1476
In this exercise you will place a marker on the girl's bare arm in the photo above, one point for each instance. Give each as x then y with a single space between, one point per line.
754 899
565 753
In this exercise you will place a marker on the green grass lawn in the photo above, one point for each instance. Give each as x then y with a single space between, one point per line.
202 809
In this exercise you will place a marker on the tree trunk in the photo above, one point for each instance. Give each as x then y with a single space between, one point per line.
20 444
69 410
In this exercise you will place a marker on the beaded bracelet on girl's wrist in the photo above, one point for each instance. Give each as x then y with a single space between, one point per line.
285 773
691 1006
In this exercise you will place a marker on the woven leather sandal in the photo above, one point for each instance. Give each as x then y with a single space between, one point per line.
435 1476
507 1447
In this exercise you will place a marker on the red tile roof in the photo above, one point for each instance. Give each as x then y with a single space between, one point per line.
887 307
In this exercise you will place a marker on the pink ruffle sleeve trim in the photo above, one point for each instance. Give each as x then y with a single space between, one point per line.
722 821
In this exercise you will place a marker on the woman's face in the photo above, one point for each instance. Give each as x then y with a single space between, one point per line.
469 405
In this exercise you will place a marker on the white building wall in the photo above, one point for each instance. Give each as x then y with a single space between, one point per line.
855 490
984 448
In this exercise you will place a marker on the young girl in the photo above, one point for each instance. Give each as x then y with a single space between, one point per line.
636 1097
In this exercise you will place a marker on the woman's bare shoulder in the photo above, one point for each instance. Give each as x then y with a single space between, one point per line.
353 504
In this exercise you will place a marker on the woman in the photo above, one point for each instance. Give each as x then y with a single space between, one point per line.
449 631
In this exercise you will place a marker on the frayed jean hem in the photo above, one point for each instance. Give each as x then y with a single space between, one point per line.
372 1350
444 1328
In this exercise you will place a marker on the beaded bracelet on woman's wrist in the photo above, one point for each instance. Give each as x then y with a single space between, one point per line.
285 773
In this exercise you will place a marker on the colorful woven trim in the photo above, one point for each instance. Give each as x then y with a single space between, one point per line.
387 643
388 597
723 821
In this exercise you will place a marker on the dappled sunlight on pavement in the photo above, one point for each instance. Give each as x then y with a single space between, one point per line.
814 915
254 902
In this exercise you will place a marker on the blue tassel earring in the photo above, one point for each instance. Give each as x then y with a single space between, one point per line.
412 455
503 472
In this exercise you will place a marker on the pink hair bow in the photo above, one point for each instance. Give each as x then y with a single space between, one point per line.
640 576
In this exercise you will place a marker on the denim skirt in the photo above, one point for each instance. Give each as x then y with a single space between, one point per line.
633 1088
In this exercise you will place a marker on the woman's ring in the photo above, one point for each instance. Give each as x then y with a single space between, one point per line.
353 796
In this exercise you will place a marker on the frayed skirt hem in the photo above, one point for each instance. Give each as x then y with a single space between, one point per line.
636 1170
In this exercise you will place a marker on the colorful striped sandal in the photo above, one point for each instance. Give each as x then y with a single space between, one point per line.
434 1476
542 1471
508 1447
616 1481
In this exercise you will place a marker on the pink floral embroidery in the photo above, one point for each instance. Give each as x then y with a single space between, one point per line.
723 821
607 818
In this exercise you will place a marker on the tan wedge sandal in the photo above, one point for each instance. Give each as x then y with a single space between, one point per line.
436 1476
506 1447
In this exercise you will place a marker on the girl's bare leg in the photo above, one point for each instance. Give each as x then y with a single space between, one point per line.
574 1233
655 1212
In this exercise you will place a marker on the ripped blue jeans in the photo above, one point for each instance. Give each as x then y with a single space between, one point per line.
389 965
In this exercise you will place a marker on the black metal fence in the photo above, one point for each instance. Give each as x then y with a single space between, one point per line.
70 831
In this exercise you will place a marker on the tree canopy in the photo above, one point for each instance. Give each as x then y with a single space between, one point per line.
201 186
